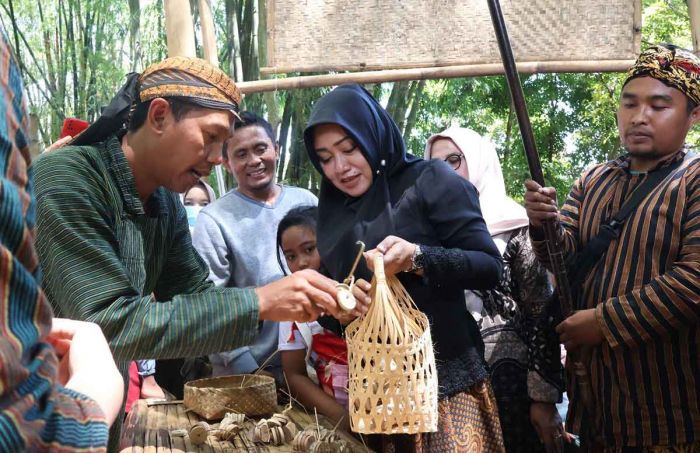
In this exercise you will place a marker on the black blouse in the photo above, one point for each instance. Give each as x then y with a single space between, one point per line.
441 213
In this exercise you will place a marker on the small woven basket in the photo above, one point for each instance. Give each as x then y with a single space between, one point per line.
249 394
392 384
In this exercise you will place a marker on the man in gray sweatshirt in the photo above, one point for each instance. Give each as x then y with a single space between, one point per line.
236 235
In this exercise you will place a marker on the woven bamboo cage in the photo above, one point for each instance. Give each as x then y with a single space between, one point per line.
392 381
249 394
359 35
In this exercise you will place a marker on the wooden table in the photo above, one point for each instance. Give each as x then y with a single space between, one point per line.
147 429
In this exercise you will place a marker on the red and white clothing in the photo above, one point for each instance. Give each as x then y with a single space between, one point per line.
326 361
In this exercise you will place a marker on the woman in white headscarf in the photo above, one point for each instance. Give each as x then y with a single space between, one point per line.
195 199
522 352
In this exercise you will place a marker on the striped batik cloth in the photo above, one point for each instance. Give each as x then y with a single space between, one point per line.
646 292
35 413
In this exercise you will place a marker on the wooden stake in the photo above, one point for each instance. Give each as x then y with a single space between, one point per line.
445 72
178 28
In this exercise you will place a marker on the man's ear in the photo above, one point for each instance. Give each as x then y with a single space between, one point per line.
694 116
158 113
277 150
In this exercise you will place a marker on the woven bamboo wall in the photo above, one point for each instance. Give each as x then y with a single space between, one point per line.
316 35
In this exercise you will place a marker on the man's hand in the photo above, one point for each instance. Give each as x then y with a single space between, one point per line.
580 329
548 425
540 203
60 143
398 255
302 296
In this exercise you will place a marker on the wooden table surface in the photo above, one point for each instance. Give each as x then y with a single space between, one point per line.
147 429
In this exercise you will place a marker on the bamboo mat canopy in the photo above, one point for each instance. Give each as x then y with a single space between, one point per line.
339 35
370 41
412 39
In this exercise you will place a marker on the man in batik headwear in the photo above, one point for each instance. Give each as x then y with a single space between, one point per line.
639 308
113 236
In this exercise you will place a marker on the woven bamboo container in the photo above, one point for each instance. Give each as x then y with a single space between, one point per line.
249 394
392 381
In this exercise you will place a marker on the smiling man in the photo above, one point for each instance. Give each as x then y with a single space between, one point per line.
237 234
638 310
113 236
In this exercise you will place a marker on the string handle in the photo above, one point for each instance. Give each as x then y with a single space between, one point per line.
350 279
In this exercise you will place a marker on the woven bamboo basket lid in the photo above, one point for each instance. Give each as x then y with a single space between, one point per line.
249 394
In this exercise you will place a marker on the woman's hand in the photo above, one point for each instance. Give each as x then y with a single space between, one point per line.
86 364
361 292
398 255
550 429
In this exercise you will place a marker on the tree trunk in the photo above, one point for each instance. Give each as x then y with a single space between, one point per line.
415 106
270 97
238 66
509 133
134 26
398 102
16 31
284 133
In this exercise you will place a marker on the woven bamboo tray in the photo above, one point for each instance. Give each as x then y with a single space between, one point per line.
252 395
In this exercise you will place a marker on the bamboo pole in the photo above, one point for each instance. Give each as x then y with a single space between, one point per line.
179 28
211 55
208 36
694 13
445 72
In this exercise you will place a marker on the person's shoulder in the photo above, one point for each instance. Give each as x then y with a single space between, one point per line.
67 157
68 166
298 191
437 176
299 194
227 206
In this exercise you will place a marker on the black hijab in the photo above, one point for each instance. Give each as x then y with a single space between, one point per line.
342 219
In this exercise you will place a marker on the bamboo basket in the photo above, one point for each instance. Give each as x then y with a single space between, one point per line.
250 394
392 383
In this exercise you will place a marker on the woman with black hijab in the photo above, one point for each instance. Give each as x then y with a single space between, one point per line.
427 222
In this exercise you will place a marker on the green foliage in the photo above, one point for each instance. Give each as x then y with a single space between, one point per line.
75 54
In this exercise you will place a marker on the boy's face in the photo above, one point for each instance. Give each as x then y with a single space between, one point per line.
653 119
252 159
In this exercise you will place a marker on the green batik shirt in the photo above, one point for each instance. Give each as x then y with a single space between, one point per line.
130 268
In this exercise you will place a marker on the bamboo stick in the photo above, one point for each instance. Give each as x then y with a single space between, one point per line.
694 13
208 36
445 72
179 28
212 56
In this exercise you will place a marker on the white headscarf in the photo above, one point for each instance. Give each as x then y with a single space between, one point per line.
501 213
207 187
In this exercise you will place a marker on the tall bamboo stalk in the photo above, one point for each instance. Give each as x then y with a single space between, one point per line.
178 28
694 13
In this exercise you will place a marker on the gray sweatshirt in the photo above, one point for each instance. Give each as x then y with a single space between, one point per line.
236 237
